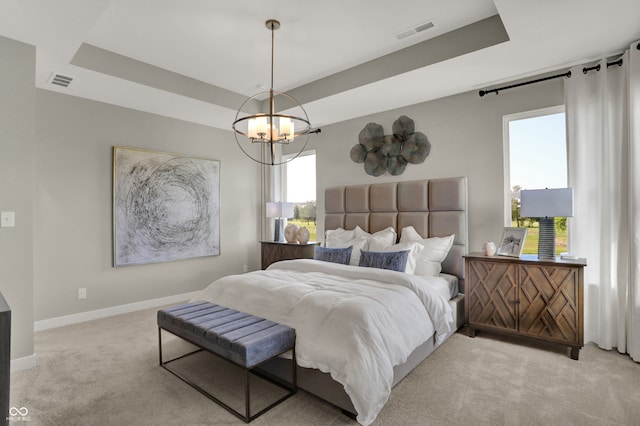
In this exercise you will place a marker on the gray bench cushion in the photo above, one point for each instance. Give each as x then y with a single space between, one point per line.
244 339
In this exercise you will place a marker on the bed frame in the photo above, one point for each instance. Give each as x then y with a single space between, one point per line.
435 208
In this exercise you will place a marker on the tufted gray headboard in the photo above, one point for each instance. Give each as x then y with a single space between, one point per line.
434 207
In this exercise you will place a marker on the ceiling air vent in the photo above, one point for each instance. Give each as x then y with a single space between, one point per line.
418 28
61 80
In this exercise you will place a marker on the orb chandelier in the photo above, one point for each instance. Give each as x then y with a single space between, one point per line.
268 127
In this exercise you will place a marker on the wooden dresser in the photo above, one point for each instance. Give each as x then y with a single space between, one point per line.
540 299
273 251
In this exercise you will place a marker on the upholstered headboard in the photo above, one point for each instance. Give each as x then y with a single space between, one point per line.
434 207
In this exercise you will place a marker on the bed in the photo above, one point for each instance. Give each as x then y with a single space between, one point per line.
350 368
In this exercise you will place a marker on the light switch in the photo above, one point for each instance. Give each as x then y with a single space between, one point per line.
7 219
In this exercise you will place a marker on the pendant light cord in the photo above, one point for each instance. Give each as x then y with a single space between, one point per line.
272 49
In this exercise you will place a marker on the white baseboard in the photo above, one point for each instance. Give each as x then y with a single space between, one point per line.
23 363
108 312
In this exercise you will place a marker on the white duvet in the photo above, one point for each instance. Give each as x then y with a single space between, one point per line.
353 322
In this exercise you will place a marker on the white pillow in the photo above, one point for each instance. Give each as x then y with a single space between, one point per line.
434 251
359 232
340 234
414 248
409 233
387 235
357 244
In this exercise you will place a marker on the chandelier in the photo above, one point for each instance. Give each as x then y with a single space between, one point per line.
269 128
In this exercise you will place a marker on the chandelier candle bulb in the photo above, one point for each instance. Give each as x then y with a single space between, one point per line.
261 126
252 130
286 128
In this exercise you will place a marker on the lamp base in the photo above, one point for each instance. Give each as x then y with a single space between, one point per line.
547 238
278 233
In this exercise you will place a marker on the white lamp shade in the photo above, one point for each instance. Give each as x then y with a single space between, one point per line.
546 202
279 209
274 209
287 209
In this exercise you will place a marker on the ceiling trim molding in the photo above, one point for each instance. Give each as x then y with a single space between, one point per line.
106 62
470 38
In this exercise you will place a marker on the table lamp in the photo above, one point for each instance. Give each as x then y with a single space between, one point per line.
279 210
546 204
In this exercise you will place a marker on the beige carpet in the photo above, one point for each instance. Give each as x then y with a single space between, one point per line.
106 372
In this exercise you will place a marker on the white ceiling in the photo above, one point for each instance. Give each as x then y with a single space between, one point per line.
197 59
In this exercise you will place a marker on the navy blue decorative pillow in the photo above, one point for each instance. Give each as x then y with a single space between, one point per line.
394 260
335 255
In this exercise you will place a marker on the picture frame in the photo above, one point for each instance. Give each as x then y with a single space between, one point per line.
512 241
165 206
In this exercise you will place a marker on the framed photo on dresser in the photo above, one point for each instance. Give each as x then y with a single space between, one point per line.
512 241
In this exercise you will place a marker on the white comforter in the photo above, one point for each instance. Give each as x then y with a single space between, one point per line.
352 322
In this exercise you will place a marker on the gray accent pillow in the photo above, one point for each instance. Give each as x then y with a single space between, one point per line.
331 254
393 260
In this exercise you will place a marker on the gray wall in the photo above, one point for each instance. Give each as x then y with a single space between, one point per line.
73 205
17 120
465 132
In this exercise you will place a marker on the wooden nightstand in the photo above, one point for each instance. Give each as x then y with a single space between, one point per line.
273 251
540 299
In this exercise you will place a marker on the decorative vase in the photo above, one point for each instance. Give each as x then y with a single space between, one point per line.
290 233
489 248
303 235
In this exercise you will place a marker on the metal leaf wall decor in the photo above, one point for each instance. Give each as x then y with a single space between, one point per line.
381 153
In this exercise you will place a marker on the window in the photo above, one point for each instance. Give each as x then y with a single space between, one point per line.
535 155
300 189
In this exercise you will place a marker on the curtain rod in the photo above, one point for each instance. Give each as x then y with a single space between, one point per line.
566 74
597 67
499 89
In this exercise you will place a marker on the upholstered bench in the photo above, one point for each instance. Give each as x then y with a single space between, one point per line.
243 339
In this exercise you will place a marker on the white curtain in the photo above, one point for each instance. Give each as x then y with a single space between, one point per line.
270 178
603 133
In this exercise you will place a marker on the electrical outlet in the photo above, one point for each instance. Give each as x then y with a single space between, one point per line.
7 219
82 293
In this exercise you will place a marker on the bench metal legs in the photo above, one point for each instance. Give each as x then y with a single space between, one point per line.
247 417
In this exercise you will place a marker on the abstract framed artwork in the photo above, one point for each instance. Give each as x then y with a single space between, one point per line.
165 206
